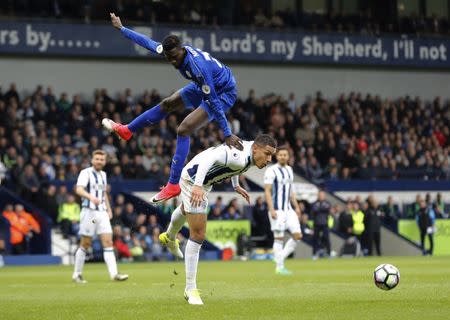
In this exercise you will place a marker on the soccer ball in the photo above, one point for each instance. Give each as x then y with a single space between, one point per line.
386 276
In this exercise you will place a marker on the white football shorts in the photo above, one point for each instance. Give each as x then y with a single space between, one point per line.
94 222
186 193
286 220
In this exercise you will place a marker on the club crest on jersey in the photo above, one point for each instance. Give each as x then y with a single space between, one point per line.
206 89
235 155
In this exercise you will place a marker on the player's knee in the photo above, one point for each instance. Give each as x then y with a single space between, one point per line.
170 104
167 105
297 236
107 243
85 243
198 235
184 129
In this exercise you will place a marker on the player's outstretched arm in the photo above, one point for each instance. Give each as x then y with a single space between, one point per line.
136 37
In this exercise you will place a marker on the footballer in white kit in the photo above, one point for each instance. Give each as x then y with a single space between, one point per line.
284 211
198 176
94 217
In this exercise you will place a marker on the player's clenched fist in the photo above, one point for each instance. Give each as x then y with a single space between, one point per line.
115 20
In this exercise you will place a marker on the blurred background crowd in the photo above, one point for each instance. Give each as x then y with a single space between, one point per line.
45 136
352 16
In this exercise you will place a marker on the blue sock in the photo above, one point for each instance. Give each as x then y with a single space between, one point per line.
181 153
149 117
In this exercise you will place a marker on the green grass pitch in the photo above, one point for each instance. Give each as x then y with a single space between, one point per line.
324 289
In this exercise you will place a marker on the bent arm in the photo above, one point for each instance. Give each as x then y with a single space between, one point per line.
81 191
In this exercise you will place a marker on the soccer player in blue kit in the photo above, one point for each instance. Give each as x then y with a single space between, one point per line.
212 92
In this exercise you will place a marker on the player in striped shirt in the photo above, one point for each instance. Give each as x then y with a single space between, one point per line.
278 181
198 176
94 217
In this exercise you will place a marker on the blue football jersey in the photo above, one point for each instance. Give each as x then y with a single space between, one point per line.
211 75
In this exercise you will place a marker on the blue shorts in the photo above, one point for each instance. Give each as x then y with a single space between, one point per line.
192 97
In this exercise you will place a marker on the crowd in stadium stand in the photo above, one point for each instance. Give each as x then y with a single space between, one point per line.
22 228
45 137
203 12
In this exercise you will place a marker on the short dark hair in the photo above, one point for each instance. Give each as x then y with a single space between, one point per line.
170 42
282 148
265 140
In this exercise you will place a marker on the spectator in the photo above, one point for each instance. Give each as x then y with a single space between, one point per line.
307 231
129 216
346 221
157 250
320 211
69 217
218 204
137 252
425 220
215 214
48 202
122 250
145 240
260 218
167 207
29 183
391 213
372 226
61 195
439 207
117 217
23 225
358 221
153 223
231 213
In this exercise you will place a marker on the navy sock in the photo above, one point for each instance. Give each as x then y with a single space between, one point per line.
149 117
181 153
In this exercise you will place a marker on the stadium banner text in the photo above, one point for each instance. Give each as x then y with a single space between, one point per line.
410 230
259 46
224 233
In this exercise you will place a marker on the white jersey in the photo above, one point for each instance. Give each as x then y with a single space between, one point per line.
217 164
281 178
95 184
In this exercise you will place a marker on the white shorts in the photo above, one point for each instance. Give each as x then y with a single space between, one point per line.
286 220
94 222
186 194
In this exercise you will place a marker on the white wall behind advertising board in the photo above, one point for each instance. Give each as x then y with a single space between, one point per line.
82 75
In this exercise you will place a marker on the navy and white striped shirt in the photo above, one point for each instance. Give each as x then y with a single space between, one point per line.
95 184
217 164
281 178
